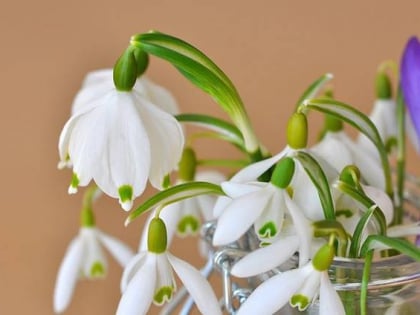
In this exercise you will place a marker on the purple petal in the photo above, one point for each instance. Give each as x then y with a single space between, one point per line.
410 81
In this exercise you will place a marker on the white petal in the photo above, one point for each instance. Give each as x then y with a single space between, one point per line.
235 190
253 171
157 95
165 278
67 276
121 252
64 140
98 77
131 269
221 203
138 296
309 289
239 216
94 261
404 230
329 300
273 293
266 258
87 98
199 289
167 137
382 200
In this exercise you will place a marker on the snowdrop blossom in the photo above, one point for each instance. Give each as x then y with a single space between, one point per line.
109 139
300 287
85 259
149 278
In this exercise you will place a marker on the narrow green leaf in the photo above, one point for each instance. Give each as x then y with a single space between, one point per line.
383 242
315 172
358 120
365 282
174 194
314 88
228 131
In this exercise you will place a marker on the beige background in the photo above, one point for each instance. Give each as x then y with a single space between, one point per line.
271 50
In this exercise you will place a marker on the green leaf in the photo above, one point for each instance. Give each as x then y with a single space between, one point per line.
358 120
315 172
365 282
202 72
314 88
174 194
227 131
384 242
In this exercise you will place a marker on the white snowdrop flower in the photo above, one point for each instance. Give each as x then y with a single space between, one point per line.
149 278
120 140
300 287
384 117
84 258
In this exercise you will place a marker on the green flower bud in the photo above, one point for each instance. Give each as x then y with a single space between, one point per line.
350 175
187 165
283 173
297 131
383 86
323 258
142 60
157 237
125 71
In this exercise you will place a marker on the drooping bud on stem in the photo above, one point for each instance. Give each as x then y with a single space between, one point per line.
383 86
125 71
283 173
187 165
297 131
157 237
350 175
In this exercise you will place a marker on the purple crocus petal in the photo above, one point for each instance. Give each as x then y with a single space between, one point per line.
418 240
410 81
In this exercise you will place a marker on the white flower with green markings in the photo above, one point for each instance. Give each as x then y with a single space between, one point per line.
121 138
149 278
85 259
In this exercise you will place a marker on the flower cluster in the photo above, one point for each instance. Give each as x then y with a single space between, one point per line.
289 214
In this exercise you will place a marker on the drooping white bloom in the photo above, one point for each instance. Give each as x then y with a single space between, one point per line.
85 259
120 140
149 278
299 286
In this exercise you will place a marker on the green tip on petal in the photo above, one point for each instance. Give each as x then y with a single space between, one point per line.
157 238
126 196
188 225
297 131
125 71
283 173
350 175
97 270
268 230
74 184
187 165
383 86
323 258
300 301
164 294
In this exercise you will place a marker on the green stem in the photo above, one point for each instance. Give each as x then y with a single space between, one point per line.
365 283
223 162
401 152
87 218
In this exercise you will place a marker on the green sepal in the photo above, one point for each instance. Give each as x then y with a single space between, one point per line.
318 178
125 71
142 60
157 236
297 131
323 257
283 173
174 194
383 86
358 120
187 165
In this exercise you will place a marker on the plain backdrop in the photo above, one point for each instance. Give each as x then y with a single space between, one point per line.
271 50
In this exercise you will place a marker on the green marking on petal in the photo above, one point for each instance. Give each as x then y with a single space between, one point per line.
74 181
164 294
188 225
300 301
97 270
290 191
126 193
268 230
